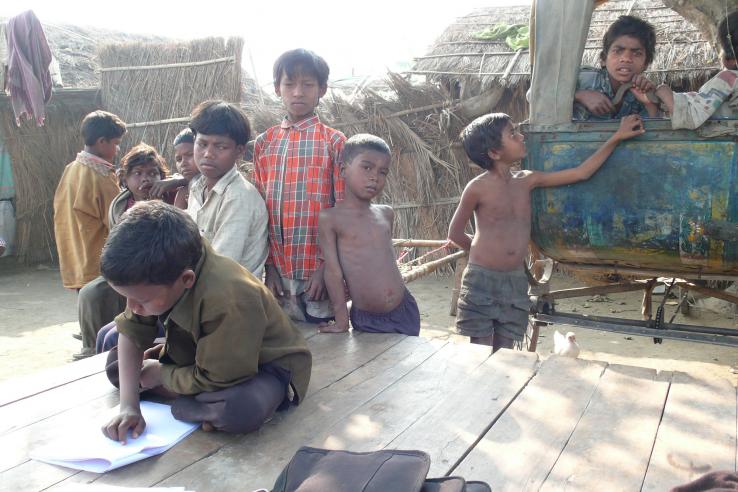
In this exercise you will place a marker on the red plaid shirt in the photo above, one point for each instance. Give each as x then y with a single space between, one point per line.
297 171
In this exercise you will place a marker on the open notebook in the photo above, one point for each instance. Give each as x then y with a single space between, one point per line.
90 450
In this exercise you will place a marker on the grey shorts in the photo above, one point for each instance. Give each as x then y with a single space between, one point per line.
492 302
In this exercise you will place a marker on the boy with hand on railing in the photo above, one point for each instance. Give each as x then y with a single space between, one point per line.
493 303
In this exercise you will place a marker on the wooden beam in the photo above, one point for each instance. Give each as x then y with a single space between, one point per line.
591 291
420 243
228 59
183 119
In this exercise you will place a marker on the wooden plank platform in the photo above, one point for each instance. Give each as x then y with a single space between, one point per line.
515 421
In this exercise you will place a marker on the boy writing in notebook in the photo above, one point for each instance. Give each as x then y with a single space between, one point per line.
356 240
230 355
296 169
493 302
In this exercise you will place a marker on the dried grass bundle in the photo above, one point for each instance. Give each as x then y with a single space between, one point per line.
39 155
684 58
206 69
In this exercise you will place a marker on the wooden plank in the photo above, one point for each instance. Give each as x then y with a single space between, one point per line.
17 445
612 442
451 428
26 386
380 420
337 354
57 400
522 446
26 477
697 432
150 471
256 459
334 358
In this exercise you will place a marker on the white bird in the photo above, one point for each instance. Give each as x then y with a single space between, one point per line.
566 345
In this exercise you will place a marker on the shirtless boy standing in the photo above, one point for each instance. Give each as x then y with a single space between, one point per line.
493 302
356 240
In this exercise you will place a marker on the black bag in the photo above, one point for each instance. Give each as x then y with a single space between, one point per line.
389 470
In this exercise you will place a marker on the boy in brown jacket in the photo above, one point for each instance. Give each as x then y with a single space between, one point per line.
231 355
82 199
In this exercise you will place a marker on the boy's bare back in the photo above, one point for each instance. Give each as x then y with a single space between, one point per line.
502 217
363 242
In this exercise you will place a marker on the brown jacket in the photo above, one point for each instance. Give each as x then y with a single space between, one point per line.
81 204
221 330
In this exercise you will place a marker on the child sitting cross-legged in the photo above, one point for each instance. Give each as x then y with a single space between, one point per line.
231 356
356 240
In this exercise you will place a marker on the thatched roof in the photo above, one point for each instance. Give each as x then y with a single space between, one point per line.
684 59
75 49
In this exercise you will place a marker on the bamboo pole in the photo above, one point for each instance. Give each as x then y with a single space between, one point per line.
432 266
458 275
420 243
600 289
230 59
456 55
438 105
718 294
453 200
183 119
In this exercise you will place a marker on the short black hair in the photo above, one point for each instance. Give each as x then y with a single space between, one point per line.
152 244
301 61
361 142
185 136
217 117
101 124
728 34
630 25
143 154
482 135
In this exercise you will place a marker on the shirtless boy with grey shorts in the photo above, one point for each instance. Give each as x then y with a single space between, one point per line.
493 302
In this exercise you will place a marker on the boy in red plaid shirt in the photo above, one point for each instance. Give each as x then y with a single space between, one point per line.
296 169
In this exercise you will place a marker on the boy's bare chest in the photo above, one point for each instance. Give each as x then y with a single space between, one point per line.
364 230
502 201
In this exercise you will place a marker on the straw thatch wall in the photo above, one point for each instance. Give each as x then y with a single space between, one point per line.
420 124
144 97
39 155
468 66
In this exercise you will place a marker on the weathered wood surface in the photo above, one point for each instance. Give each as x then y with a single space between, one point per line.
521 448
607 450
508 419
697 432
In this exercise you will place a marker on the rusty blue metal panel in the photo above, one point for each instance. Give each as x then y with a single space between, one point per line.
667 200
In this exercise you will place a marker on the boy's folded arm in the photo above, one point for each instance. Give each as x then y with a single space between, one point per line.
333 275
462 215
691 110
141 330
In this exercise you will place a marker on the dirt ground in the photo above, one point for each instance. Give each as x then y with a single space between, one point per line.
38 317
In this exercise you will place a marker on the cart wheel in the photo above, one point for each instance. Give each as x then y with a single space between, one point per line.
530 340
538 268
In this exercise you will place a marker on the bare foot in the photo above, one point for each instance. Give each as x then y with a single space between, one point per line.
332 327
207 427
